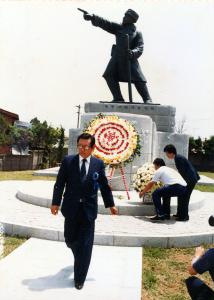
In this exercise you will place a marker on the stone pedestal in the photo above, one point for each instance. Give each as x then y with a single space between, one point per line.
154 123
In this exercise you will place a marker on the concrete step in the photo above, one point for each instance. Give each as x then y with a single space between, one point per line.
54 171
33 221
39 193
41 269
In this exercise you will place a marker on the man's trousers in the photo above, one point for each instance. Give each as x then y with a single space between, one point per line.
79 236
183 202
198 290
166 192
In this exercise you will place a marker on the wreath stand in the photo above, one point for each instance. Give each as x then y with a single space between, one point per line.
111 174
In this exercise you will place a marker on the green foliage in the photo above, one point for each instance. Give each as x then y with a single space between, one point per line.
21 137
195 145
155 252
198 146
61 144
4 131
150 279
11 243
208 145
46 138
205 188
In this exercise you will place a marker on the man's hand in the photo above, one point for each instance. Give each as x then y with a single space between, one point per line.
87 17
199 251
114 210
141 194
54 209
130 54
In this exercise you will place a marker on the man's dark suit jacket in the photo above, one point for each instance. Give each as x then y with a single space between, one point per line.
186 169
69 178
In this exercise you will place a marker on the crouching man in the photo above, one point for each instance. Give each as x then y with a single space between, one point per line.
174 186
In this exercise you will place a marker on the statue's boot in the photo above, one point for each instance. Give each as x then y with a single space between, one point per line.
115 89
143 91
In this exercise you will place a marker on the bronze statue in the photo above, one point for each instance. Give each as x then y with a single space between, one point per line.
123 65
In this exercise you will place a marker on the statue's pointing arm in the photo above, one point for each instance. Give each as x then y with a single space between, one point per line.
137 49
106 25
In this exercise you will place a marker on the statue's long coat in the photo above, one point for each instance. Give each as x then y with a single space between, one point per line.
118 64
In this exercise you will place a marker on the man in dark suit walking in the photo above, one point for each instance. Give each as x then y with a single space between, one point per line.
189 174
81 175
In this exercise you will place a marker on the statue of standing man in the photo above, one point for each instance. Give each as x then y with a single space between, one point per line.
121 57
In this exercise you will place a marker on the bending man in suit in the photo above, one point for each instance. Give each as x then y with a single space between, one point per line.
81 175
189 174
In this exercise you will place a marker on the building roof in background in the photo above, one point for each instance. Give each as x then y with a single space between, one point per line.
9 114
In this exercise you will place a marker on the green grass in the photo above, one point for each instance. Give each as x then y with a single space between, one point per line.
208 174
164 272
205 188
11 243
22 175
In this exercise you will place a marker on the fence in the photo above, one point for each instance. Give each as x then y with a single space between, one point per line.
21 162
202 162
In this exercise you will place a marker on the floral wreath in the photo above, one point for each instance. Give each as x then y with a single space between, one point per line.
117 141
143 176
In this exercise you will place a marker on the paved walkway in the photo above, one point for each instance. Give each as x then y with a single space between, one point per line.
26 219
41 270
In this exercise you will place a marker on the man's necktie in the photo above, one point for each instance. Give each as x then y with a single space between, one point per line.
83 170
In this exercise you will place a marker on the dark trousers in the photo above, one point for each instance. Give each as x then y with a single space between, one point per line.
114 87
166 193
79 236
183 202
198 290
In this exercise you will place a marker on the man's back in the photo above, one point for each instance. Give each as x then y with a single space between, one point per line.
186 169
168 176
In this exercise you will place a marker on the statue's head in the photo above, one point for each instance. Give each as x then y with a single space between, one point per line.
130 17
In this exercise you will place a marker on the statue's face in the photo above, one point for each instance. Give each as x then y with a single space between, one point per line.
127 19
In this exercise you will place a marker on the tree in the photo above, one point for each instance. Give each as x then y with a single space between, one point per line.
180 126
196 145
4 131
61 144
45 138
209 146
21 137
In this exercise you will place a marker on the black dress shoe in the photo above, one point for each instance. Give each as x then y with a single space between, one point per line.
78 285
175 216
182 219
118 100
167 217
148 101
157 218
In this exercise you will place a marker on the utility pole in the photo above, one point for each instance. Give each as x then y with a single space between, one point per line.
78 113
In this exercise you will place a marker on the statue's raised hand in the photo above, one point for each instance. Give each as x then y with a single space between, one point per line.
87 17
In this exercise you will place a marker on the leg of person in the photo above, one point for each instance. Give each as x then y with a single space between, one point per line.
85 245
114 88
166 207
71 229
142 89
179 206
184 209
156 197
169 191
198 290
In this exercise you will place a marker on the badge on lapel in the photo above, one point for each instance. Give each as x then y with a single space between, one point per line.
95 177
